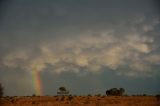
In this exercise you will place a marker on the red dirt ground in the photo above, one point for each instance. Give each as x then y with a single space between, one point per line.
81 101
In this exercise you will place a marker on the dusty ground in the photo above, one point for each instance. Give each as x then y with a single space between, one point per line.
81 101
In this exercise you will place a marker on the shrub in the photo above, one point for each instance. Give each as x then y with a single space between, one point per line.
144 95
1 91
89 95
62 91
115 92
70 98
98 95
33 95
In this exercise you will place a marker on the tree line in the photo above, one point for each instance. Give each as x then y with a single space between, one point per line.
63 91
110 92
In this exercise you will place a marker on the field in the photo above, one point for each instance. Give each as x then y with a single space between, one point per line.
81 101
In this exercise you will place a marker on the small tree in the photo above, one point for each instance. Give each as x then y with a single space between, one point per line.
62 91
115 92
1 91
121 91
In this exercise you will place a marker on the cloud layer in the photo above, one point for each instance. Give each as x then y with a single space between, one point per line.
38 37
131 54
82 44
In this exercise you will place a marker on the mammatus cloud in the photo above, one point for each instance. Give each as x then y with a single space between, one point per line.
76 42
130 54
42 37
155 58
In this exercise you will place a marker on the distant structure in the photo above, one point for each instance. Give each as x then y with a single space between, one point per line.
62 91
115 92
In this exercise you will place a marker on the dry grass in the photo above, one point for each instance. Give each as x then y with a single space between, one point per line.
81 101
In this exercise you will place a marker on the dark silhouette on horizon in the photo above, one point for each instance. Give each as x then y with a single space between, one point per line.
115 92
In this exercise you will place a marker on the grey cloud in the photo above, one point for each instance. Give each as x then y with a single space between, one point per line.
111 42
89 37
89 52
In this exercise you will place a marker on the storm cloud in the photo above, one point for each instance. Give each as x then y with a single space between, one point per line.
82 37
91 51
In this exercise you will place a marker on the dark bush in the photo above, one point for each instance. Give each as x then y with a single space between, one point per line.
144 94
1 91
70 98
34 95
115 92
98 95
62 91
158 95
89 95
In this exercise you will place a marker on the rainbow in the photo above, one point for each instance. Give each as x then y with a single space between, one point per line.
37 83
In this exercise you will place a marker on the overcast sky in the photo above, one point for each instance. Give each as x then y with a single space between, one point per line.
88 46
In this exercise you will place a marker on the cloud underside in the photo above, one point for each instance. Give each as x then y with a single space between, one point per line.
65 36
131 54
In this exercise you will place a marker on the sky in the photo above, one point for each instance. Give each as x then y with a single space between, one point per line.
87 46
